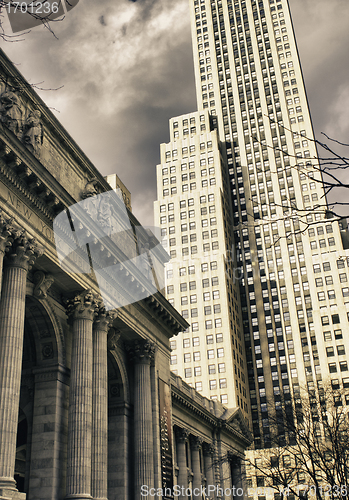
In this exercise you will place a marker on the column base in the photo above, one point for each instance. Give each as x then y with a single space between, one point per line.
6 494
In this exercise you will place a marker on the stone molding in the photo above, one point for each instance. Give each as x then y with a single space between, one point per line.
52 373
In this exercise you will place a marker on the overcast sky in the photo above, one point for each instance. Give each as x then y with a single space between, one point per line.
126 69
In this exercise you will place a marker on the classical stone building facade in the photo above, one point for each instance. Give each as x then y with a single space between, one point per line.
85 385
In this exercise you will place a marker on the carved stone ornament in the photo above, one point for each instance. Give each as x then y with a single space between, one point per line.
90 189
113 337
84 305
10 112
181 434
33 132
43 282
141 351
6 232
196 442
23 251
103 319
208 449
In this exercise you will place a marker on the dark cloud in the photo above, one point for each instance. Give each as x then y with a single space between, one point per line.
126 76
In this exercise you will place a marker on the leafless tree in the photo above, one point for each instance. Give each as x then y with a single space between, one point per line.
315 458
24 16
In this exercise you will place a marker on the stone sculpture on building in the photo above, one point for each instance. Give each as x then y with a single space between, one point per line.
33 132
10 111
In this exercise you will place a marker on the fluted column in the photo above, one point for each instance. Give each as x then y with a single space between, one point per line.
208 451
142 353
18 261
181 439
81 311
195 446
100 406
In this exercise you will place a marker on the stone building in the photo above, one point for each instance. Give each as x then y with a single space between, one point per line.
85 384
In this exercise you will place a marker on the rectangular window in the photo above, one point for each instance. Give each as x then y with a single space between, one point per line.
210 354
327 336
340 350
332 367
329 351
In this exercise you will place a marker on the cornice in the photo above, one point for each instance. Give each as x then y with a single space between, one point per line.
19 171
206 416
194 408
169 315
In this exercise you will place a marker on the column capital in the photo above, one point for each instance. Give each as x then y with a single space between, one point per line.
196 442
24 251
234 459
208 449
6 231
141 351
83 306
181 434
104 319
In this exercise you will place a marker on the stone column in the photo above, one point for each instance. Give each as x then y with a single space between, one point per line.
142 354
208 451
100 406
181 439
81 310
195 446
18 261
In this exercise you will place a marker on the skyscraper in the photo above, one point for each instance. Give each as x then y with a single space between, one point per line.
270 213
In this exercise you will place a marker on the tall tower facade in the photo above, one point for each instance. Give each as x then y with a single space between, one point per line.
291 262
194 213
